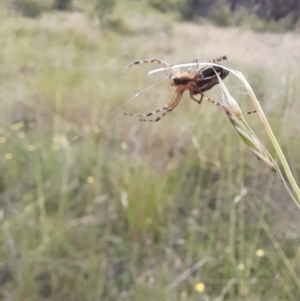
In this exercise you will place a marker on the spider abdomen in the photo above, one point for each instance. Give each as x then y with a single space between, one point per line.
210 72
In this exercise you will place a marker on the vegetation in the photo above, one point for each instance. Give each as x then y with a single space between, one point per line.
259 15
98 206
62 4
233 12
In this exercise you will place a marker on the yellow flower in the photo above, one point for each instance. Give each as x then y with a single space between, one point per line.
200 287
260 253
241 266
17 126
31 147
90 179
8 156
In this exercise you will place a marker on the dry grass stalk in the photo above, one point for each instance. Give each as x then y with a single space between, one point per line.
233 111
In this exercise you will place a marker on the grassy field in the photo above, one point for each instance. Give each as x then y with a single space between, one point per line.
99 206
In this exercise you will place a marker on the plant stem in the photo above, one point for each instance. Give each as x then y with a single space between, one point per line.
275 143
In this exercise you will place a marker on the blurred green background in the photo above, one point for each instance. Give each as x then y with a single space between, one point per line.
99 206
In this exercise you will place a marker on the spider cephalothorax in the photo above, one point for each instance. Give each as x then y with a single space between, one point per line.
195 81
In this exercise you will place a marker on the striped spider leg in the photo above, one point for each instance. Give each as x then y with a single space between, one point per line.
153 60
215 61
217 103
176 98
220 59
165 109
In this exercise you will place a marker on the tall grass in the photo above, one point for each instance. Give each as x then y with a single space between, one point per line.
97 206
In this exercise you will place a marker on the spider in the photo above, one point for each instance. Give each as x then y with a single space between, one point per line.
196 82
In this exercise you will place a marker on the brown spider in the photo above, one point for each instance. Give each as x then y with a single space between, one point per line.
196 82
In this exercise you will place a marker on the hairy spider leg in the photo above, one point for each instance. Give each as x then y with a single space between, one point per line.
215 61
220 59
209 99
166 109
223 106
217 103
150 61
190 70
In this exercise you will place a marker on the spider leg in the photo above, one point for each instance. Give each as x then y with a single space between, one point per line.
192 88
171 67
209 99
196 61
166 109
216 61
224 107
217 103
147 61
221 105
249 112
190 70
220 59
199 101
